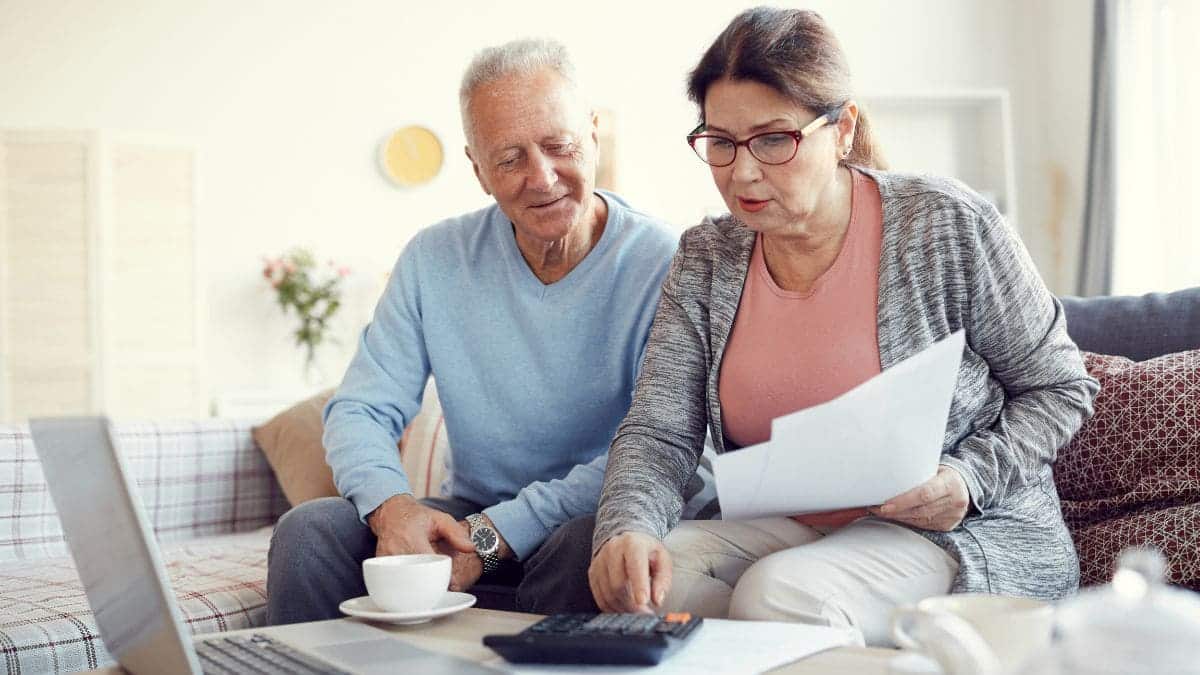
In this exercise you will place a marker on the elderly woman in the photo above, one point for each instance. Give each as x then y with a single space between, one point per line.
827 271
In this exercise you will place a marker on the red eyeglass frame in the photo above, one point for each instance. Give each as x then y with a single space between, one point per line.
800 135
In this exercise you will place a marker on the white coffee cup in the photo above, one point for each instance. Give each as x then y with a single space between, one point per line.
407 583
1013 629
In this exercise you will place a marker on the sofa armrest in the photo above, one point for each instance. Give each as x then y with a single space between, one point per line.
193 478
1136 327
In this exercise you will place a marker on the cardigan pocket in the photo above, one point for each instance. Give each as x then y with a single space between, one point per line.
1027 546
1066 542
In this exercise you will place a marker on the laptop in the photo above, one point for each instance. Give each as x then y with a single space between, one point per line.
128 590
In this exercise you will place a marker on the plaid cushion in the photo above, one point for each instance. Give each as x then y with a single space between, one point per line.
46 625
194 478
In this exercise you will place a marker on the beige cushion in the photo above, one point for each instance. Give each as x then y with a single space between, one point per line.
291 442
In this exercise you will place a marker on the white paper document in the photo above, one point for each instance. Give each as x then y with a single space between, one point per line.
874 442
720 646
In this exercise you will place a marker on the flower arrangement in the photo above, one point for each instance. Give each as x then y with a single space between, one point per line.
313 291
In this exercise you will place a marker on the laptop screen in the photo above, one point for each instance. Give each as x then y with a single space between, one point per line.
113 548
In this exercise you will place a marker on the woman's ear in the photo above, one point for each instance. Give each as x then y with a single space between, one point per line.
847 122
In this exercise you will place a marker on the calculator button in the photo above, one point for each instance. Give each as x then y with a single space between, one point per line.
641 624
682 629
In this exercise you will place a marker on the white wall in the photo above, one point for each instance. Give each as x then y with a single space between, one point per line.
286 102
1051 45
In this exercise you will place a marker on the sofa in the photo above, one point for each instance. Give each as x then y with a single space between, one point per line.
1131 475
211 498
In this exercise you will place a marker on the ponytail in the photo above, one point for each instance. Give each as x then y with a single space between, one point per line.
864 151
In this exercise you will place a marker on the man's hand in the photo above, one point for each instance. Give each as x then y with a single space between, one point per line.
939 503
465 568
631 573
403 525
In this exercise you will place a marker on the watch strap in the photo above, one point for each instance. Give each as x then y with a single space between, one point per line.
491 561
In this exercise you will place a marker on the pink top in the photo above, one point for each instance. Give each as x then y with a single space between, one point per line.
791 350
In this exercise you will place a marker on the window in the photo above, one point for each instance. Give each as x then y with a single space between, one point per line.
1157 146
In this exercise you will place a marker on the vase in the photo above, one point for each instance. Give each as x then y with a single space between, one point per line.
315 375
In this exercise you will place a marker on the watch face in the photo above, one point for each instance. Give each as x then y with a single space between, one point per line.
485 540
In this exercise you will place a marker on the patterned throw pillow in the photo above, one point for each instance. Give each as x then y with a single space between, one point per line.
1131 476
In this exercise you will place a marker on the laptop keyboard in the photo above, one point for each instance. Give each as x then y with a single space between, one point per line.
257 654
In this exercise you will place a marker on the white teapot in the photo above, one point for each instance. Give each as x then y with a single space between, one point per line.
1136 624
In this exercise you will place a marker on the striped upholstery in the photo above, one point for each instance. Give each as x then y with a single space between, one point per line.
194 479
46 625
210 497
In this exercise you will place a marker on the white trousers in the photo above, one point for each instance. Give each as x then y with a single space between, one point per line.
775 569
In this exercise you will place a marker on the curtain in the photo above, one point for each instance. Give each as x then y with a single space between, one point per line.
1095 266
1142 221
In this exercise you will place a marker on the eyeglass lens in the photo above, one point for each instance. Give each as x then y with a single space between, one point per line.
767 148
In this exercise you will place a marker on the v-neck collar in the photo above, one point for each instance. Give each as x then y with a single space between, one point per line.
758 261
529 281
729 282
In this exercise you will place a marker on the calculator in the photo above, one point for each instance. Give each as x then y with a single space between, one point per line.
611 639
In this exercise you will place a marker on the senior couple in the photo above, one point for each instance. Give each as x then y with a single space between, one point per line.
581 355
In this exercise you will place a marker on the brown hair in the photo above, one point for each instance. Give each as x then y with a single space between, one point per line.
793 52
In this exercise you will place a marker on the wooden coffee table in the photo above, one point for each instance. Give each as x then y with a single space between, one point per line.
461 635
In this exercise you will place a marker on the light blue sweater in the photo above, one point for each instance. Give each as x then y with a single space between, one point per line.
533 378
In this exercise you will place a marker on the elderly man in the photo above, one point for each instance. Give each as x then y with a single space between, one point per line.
532 315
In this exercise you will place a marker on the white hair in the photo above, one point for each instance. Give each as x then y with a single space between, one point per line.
518 57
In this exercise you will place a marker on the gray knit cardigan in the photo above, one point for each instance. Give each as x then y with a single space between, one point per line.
948 261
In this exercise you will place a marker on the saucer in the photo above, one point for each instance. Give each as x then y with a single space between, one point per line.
365 608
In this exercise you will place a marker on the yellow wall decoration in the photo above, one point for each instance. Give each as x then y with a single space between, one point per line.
410 156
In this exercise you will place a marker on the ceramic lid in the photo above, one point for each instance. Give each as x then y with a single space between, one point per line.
1136 624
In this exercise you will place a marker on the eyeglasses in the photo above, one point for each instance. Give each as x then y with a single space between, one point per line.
772 147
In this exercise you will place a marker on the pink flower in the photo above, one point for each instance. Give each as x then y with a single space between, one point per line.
343 271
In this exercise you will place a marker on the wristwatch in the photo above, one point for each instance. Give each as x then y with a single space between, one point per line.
486 540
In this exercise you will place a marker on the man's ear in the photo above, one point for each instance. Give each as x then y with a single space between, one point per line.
478 174
596 138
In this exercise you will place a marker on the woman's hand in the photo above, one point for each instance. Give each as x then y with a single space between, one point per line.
631 573
939 503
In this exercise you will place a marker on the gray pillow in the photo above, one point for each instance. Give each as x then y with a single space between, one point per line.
1136 327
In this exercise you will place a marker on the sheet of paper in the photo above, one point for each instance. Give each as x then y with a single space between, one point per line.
720 646
874 442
